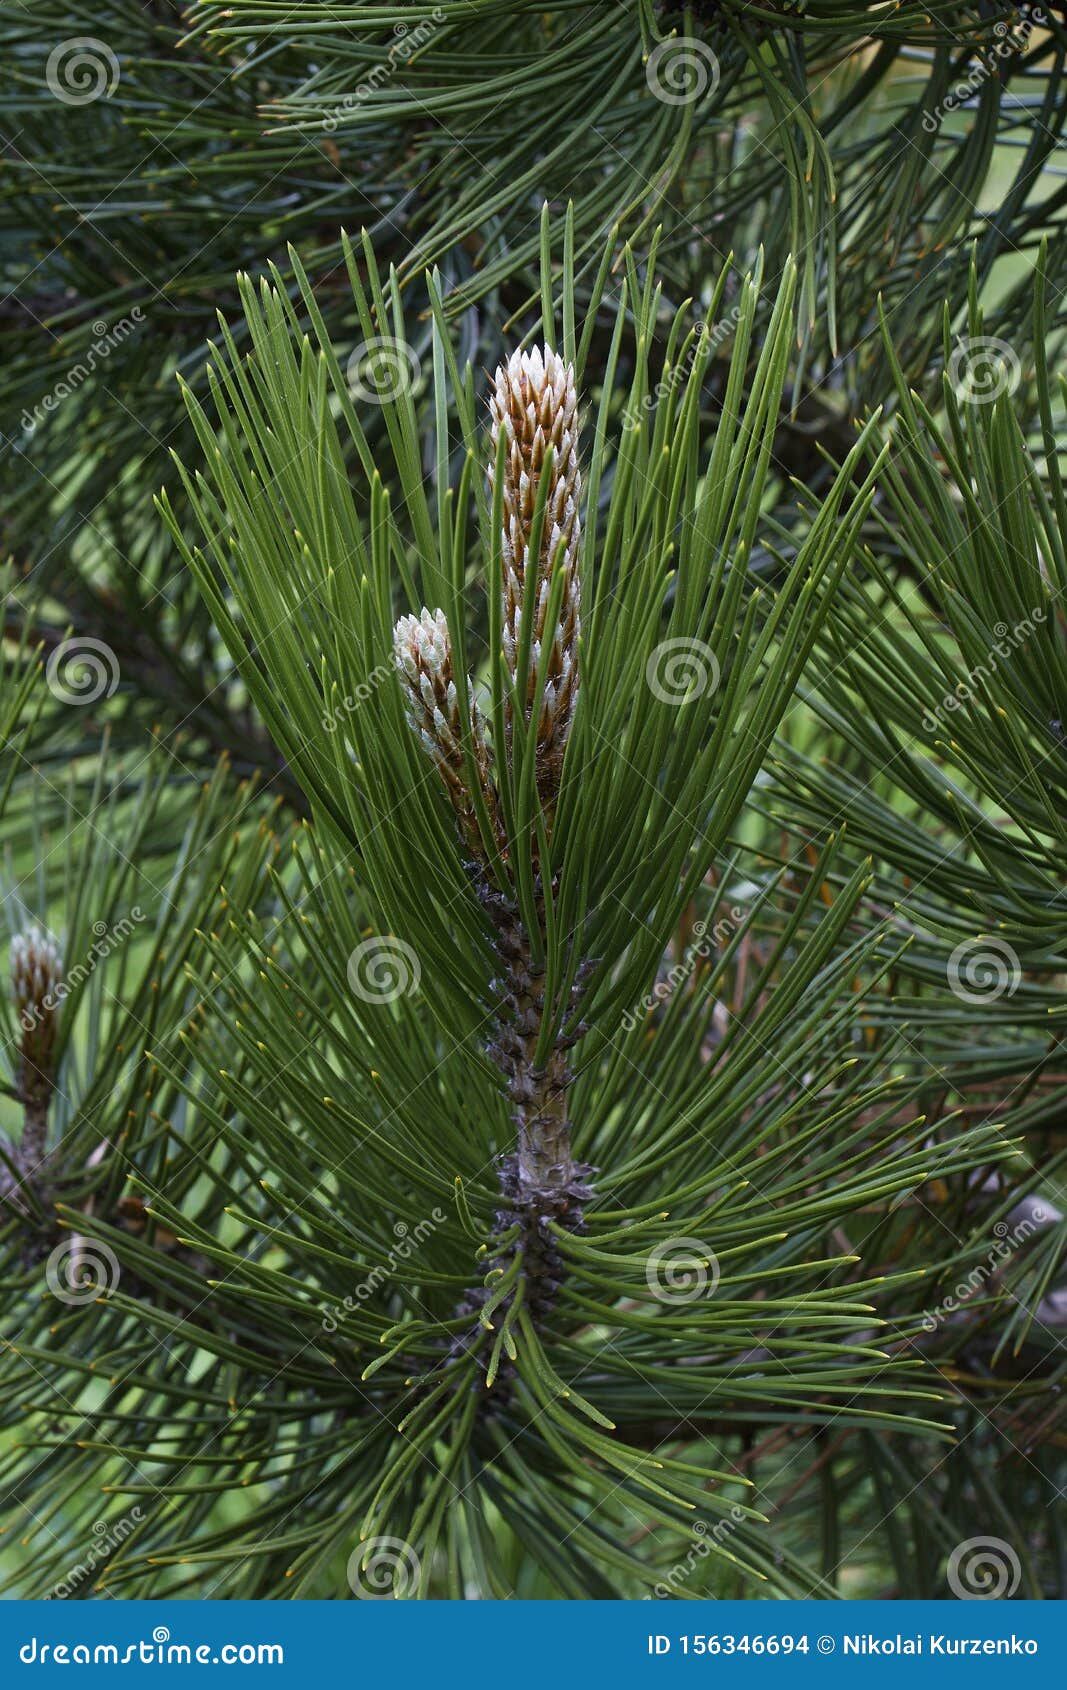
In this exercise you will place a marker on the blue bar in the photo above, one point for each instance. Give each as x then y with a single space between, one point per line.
536 1645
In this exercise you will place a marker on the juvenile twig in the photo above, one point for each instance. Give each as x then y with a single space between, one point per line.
534 404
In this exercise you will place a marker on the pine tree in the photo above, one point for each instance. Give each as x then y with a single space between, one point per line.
534 865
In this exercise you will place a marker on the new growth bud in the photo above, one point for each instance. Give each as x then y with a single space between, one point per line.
36 969
422 649
535 404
